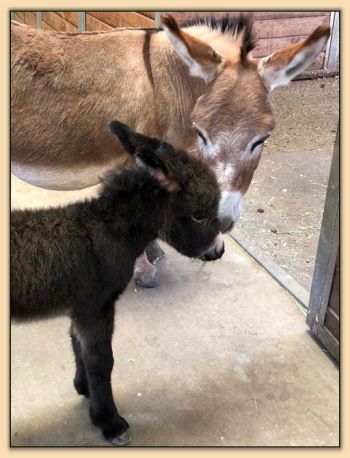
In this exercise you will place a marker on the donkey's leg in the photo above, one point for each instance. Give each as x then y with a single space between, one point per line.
145 273
154 252
95 335
80 378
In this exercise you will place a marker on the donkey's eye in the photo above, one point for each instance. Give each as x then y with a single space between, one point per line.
198 220
202 136
259 142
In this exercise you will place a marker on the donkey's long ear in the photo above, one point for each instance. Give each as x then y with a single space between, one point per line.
279 68
202 60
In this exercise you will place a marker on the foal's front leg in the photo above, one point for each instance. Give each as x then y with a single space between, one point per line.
95 336
80 378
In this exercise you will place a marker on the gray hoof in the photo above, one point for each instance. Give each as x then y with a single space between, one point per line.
120 441
154 253
148 281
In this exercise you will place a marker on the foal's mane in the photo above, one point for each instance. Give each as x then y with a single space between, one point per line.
228 25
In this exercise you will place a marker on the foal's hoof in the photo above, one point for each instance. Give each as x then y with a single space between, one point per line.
147 281
120 441
81 386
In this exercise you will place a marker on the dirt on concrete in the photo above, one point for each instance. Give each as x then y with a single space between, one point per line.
283 208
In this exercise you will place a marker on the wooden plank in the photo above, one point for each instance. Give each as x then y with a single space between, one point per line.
266 46
300 26
57 22
334 298
327 250
327 339
183 16
123 19
70 16
18 19
321 73
20 14
46 27
150 14
93 24
332 323
29 18
266 15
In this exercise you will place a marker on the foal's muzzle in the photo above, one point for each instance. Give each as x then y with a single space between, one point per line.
226 224
215 251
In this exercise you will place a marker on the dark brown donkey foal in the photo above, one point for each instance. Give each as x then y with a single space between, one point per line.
79 259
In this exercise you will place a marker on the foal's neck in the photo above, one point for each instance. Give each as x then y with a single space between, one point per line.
133 207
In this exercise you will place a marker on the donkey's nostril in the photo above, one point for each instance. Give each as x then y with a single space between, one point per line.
227 225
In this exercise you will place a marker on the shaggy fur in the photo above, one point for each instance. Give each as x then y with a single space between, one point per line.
78 259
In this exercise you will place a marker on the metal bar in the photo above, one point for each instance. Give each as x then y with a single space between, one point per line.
38 19
157 19
331 60
82 21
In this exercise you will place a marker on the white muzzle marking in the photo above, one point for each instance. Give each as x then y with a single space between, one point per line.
230 206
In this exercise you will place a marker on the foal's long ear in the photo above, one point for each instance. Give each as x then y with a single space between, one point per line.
202 60
279 68
162 161
130 139
165 164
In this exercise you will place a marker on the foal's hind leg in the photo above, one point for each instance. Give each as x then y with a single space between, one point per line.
80 378
95 335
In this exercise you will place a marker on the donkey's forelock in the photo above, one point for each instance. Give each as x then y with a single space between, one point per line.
235 26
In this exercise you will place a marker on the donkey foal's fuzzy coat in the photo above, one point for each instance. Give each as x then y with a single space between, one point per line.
80 258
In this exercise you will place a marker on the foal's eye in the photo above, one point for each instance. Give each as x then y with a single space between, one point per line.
199 220
259 142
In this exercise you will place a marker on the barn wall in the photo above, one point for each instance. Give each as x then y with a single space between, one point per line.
68 21
272 29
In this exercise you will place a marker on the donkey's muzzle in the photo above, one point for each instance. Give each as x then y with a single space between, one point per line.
215 251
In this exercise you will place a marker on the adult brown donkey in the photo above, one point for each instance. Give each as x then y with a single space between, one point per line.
196 87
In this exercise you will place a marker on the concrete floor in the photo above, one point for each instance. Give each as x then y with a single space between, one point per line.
218 355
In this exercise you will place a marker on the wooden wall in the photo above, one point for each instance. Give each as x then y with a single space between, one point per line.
67 21
272 29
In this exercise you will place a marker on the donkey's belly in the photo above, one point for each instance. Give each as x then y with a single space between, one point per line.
60 178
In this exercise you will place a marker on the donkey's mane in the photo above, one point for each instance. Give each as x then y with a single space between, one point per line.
228 25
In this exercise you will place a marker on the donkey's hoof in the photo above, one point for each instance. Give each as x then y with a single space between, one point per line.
147 281
154 253
122 440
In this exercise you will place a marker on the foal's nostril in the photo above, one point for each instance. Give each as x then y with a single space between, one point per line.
213 253
227 225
